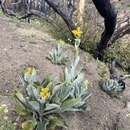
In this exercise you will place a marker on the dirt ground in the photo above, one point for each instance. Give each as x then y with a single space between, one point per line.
22 45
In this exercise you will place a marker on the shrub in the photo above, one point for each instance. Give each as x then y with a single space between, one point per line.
120 52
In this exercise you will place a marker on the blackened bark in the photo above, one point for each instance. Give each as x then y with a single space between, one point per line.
107 11
66 18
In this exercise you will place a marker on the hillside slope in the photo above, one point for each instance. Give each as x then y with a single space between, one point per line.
22 45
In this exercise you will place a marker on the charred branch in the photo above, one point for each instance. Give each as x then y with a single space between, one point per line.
122 29
59 11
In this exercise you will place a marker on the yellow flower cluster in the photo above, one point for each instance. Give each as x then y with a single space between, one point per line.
77 32
45 93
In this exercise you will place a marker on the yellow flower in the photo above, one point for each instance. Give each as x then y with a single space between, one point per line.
29 74
77 32
45 93
29 71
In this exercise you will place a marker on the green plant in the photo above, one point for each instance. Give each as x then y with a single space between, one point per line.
5 123
57 55
43 103
120 52
112 87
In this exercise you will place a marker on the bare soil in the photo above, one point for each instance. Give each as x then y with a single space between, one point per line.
22 45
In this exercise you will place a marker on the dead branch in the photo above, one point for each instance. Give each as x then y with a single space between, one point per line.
5 10
64 16
123 28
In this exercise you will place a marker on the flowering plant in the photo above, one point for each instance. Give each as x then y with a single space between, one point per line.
45 102
77 32
57 55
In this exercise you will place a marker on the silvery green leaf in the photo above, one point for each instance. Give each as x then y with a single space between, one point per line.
73 110
85 96
79 79
20 97
30 78
57 88
57 56
64 92
50 107
80 104
69 103
34 105
76 61
56 99
29 90
77 43
66 75
29 125
56 122
36 92
22 81
42 125
41 101
32 91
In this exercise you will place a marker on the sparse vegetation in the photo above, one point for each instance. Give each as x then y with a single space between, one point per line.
44 102
120 52
5 121
73 98
103 70
57 55
112 87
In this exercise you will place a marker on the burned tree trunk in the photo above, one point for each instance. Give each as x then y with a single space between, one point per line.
122 29
41 8
109 14
68 20
80 12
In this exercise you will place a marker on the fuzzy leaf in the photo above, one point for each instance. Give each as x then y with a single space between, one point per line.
30 75
32 91
20 109
42 125
50 107
20 97
55 122
28 125
57 56
34 105
70 103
